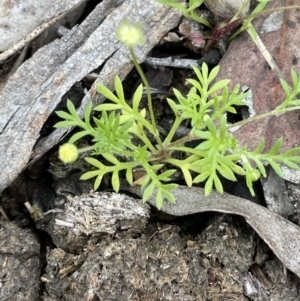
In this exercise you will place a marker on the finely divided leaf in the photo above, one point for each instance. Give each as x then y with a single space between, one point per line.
64 115
87 112
148 192
137 98
71 108
119 89
65 124
78 136
90 174
107 94
115 181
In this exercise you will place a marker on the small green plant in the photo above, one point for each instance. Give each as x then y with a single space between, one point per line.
189 11
217 153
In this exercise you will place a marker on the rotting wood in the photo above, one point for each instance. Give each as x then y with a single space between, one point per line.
90 216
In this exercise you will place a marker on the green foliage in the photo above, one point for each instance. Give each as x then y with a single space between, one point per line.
189 11
218 153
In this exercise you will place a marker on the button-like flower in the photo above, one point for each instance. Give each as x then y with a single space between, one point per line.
130 34
68 153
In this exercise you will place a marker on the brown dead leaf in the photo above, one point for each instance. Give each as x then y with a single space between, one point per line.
244 64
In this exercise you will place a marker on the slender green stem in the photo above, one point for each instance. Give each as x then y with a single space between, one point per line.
269 11
173 130
247 19
180 141
146 141
240 11
264 115
86 149
146 83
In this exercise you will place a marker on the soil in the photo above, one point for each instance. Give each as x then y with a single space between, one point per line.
60 240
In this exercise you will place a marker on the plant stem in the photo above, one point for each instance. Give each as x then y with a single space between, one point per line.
146 141
150 107
239 12
264 115
181 141
173 130
86 149
247 19
269 11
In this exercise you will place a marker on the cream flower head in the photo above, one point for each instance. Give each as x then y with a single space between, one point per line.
130 34
68 153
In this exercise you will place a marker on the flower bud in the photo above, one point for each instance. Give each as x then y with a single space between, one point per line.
68 153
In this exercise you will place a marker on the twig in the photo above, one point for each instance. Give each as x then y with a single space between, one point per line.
264 51
213 58
4 214
160 231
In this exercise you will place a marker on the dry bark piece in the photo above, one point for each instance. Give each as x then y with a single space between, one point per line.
61 12
19 257
55 68
276 195
94 215
14 21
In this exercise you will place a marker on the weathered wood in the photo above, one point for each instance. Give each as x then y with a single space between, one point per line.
34 91
57 11
91 216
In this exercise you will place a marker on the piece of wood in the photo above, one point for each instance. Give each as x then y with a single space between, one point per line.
94 214
57 13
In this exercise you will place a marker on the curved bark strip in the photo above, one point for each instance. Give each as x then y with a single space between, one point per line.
34 91
282 236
